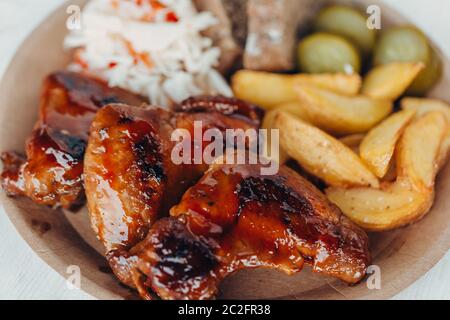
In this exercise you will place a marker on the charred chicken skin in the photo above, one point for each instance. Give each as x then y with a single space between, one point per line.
51 172
130 178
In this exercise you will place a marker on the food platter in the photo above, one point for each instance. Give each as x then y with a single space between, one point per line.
64 239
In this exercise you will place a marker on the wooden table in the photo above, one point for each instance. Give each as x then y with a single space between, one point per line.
25 276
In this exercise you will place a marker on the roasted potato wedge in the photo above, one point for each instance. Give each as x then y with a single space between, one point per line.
353 141
377 148
297 109
322 155
269 90
423 106
411 196
384 209
342 115
391 174
419 150
445 150
391 80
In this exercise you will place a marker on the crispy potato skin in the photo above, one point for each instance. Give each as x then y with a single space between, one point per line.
424 106
340 114
269 90
394 206
353 141
419 150
322 155
378 146
410 197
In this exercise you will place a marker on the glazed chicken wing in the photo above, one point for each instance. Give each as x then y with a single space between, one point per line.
130 178
234 218
51 172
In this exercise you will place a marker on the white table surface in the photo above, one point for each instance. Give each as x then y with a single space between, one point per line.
23 275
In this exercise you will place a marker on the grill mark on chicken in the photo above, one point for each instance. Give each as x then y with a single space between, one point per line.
148 159
264 191
73 145
183 254
125 120
228 106
51 172
89 92
151 167
121 175
241 220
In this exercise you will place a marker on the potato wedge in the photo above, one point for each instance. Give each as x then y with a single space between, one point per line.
444 151
377 148
269 123
269 90
342 83
322 155
391 174
391 80
424 106
342 115
408 199
296 109
395 206
293 108
353 141
419 150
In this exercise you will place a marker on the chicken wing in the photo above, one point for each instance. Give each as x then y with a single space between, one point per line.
51 172
130 178
233 219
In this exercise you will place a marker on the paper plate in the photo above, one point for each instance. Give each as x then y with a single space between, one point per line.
65 239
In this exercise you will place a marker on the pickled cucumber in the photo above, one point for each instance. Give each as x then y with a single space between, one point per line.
323 52
402 44
349 23
408 44
428 77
